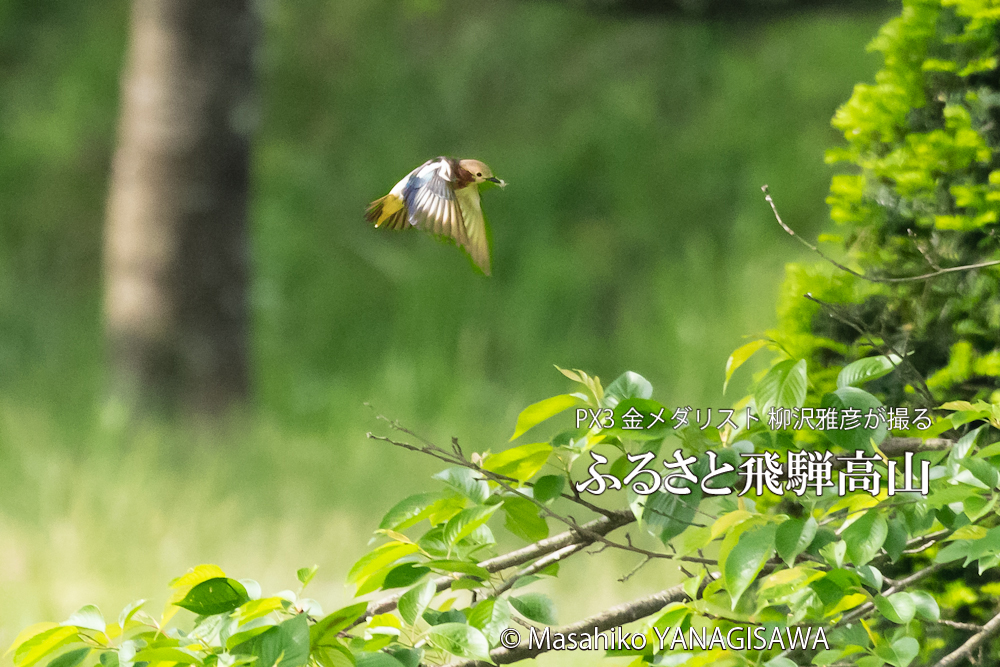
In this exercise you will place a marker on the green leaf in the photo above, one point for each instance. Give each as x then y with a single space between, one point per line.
334 655
667 515
779 662
128 612
215 596
71 658
834 553
895 540
306 574
88 617
627 385
524 520
377 659
865 537
44 644
166 654
466 483
954 551
491 616
859 437
409 511
927 606
410 657
793 537
465 522
783 386
536 607
901 653
538 412
336 621
981 470
460 640
740 357
746 560
378 558
404 575
988 545
520 463
898 607
867 369
548 487
414 602
288 641
870 576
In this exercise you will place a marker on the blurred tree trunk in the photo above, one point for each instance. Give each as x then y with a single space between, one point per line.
176 237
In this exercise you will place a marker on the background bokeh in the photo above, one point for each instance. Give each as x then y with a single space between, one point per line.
633 236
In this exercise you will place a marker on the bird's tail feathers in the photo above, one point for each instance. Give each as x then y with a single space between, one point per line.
389 211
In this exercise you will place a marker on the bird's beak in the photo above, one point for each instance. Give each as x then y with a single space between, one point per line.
499 181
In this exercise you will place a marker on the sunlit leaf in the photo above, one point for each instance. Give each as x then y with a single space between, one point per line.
460 640
466 482
740 357
409 511
538 412
520 463
414 602
491 616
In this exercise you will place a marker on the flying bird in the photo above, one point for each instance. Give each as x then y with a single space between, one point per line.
441 196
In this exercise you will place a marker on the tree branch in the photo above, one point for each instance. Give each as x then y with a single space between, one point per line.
962 653
900 584
523 555
610 618
907 279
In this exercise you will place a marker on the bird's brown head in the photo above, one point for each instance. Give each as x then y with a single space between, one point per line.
480 172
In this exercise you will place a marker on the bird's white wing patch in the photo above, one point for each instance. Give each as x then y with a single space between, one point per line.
431 201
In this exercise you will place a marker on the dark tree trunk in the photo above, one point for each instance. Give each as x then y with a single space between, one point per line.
176 240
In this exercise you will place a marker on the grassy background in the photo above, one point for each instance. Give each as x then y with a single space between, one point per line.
633 236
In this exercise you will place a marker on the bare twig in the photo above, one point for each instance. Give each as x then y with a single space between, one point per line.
631 573
537 566
883 347
435 451
964 652
970 627
921 250
907 279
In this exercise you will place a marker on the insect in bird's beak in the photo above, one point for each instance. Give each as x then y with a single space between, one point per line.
499 181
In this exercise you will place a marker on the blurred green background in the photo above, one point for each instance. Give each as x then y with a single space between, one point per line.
633 236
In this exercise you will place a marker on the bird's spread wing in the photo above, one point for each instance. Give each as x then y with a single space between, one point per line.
427 199
431 201
476 241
